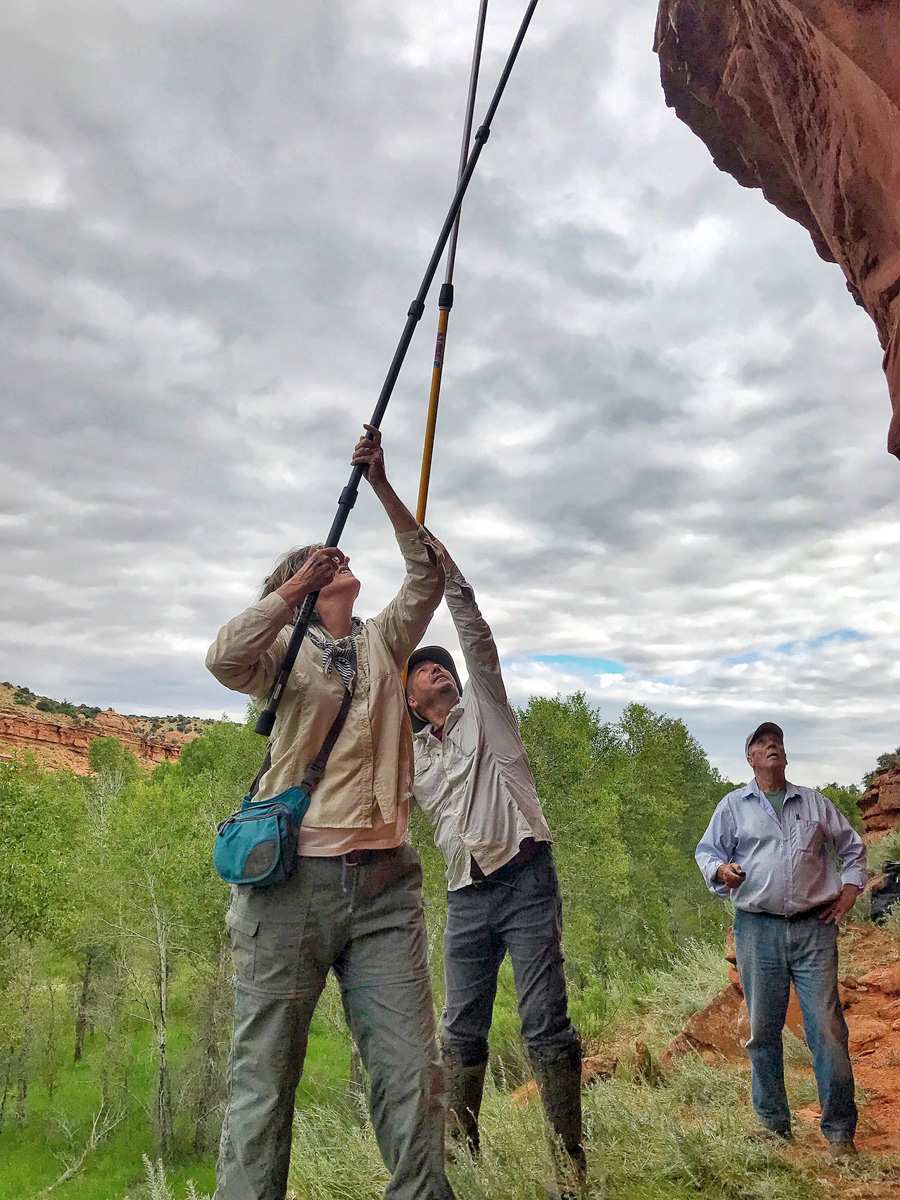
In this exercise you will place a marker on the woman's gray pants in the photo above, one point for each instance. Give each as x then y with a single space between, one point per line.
365 922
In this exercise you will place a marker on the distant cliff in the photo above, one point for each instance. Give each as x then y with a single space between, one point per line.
57 739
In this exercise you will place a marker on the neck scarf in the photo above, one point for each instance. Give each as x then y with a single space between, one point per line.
339 654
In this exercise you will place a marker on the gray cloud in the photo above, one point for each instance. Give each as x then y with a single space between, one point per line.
661 438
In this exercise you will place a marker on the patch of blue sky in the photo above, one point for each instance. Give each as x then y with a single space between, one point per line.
814 643
801 645
583 664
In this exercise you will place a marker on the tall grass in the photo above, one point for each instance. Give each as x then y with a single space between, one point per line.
684 1139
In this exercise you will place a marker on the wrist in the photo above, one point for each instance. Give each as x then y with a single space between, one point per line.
292 596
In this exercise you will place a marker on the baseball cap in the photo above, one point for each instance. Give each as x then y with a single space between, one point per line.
435 654
766 727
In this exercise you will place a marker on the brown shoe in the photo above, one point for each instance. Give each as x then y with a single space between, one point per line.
843 1148
762 1133
463 1088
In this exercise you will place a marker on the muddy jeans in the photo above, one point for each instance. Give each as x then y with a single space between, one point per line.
772 953
365 923
516 909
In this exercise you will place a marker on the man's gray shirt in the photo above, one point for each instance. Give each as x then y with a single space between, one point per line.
788 865
475 786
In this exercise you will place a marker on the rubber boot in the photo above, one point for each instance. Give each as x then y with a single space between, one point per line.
557 1071
463 1088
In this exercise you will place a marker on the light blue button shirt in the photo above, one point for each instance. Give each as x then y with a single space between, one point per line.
788 864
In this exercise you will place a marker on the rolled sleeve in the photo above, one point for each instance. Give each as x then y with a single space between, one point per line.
716 848
247 651
403 623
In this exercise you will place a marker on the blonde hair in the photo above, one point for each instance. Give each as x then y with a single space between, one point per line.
287 567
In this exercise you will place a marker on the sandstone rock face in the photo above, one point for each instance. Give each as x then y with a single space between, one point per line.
802 99
60 744
880 805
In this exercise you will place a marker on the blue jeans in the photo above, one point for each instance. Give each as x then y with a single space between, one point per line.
771 954
517 910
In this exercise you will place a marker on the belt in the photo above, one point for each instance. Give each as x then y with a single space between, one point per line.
800 916
358 858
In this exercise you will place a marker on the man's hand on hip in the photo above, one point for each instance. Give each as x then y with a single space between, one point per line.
840 905
731 874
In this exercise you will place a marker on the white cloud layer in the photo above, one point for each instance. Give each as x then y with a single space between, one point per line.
662 430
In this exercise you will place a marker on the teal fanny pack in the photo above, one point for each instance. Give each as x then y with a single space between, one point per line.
258 843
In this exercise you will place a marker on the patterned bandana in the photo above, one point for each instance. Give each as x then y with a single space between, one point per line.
340 654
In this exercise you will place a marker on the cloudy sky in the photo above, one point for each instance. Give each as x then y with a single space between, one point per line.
661 450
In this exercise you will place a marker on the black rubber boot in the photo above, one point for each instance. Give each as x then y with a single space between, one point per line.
557 1071
464 1087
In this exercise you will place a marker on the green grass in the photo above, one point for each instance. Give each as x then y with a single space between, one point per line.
680 1141
682 1137
32 1153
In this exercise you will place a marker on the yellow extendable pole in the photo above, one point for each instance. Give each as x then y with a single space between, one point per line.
445 301
431 423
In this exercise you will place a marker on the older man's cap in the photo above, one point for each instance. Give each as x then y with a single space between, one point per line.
766 727
435 654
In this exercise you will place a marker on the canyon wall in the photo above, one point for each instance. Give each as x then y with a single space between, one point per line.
801 98
880 805
65 743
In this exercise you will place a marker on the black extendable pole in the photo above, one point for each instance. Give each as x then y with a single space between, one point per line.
266 720
445 298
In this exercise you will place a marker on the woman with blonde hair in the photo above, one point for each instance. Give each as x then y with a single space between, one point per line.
354 903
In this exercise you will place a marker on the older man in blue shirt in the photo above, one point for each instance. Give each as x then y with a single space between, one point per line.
771 848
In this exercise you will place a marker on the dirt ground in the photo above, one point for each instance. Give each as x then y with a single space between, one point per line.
871 993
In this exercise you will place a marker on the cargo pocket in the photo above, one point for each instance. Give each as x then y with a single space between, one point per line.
242 932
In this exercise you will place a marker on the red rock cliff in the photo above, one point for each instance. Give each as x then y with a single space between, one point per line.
880 805
64 744
802 99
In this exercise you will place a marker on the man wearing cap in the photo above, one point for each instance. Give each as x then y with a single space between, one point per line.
770 848
473 781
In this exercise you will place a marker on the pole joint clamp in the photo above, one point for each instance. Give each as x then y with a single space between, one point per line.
416 309
482 133
347 498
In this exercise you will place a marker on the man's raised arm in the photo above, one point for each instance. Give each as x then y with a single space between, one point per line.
475 637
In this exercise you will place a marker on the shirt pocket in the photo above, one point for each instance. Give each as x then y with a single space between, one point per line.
810 836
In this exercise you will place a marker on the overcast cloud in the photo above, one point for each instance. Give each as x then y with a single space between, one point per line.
661 448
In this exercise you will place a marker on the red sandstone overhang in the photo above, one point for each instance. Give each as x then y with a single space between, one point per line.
802 99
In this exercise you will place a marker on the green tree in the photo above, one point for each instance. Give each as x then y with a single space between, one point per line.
575 758
37 813
844 798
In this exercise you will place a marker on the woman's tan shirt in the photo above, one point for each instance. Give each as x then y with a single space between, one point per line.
370 770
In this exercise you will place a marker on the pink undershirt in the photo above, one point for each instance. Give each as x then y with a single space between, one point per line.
330 843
